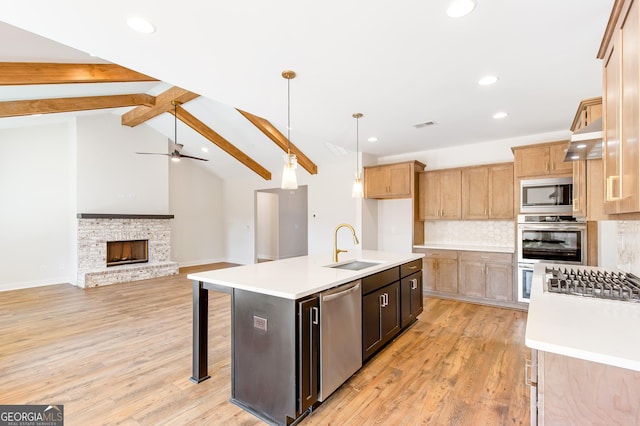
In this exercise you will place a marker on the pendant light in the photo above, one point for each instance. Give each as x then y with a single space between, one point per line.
289 180
357 191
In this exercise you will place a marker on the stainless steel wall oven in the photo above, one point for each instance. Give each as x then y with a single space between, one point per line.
549 239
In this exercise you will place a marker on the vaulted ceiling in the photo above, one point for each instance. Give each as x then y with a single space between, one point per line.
399 64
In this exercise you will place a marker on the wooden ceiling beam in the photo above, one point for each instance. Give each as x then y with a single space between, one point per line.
57 105
23 73
221 142
281 140
163 104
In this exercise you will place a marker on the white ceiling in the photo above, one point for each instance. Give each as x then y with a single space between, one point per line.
399 63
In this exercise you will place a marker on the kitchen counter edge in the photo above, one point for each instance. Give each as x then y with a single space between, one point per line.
298 277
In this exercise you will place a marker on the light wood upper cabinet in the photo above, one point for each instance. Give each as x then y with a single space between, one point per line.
440 194
391 180
542 160
588 181
487 192
620 51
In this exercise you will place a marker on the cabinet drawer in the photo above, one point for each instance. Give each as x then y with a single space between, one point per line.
379 280
483 256
442 254
410 268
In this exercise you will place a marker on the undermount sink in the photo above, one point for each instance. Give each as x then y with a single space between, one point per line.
355 265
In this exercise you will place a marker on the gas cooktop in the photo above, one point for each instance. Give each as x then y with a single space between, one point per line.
592 283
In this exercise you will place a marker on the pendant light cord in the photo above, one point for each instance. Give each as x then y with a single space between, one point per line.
175 122
357 147
288 118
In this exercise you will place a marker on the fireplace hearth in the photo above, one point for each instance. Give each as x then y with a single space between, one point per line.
127 252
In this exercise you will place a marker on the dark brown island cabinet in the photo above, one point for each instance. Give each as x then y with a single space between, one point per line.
275 341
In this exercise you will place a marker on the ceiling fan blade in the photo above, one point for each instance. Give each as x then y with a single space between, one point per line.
151 153
193 158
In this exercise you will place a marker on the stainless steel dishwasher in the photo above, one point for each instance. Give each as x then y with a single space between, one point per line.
340 336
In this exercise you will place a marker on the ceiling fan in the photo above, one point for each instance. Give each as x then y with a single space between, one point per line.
176 155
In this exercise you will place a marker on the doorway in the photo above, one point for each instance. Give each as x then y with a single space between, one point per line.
281 228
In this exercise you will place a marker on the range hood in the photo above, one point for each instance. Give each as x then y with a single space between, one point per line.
586 143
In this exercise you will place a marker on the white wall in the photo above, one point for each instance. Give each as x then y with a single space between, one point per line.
112 178
330 203
475 154
195 199
267 225
37 189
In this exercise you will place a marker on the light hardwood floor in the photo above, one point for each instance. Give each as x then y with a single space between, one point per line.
121 354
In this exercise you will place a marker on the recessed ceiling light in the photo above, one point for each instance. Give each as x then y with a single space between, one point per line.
205 149
500 115
575 157
140 25
460 8
581 146
373 139
487 80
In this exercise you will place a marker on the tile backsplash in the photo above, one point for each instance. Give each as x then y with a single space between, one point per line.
628 246
489 233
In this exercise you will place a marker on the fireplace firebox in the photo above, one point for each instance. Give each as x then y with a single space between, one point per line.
126 252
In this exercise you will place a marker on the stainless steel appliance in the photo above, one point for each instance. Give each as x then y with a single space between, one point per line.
592 283
549 239
340 336
549 195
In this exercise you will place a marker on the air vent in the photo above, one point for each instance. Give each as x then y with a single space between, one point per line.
425 124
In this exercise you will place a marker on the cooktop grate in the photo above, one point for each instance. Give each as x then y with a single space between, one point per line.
593 283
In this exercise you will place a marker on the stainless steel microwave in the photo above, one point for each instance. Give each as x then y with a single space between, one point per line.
549 195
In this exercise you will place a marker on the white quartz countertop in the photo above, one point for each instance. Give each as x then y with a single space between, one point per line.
467 247
298 277
598 330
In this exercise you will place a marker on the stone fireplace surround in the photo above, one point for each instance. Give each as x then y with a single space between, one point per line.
95 229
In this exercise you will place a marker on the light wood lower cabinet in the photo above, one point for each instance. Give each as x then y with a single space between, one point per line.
572 391
484 277
440 268
487 275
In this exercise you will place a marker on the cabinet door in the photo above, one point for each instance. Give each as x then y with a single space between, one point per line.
499 281
372 322
611 144
429 267
630 120
556 159
475 193
447 276
471 278
309 348
411 298
580 188
532 161
429 200
501 191
450 194
400 180
376 181
390 313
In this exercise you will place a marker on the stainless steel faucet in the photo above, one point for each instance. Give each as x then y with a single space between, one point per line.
336 250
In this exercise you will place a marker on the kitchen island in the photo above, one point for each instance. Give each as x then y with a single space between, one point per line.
585 363
277 354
